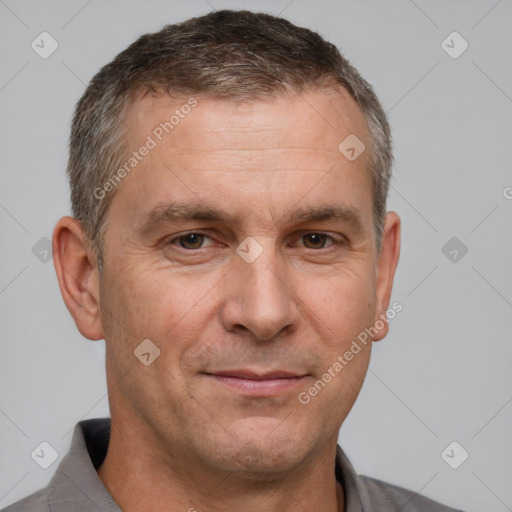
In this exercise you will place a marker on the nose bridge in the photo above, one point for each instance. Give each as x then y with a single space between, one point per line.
263 302
267 279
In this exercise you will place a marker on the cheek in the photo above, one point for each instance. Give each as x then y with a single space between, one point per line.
343 304
169 307
340 310
142 304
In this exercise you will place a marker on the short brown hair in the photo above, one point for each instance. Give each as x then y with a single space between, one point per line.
227 54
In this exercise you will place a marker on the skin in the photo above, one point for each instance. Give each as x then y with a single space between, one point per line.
181 436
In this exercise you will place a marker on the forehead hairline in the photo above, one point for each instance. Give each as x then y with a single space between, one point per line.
173 98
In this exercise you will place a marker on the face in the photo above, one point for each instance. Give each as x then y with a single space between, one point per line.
242 245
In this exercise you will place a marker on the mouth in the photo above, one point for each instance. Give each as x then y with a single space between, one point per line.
251 383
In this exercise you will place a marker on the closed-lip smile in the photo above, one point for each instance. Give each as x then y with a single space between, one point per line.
255 383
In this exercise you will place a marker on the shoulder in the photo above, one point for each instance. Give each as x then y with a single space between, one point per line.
388 497
365 494
36 502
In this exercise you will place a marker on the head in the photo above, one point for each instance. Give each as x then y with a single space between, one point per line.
217 215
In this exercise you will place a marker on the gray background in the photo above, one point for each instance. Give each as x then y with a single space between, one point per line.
442 375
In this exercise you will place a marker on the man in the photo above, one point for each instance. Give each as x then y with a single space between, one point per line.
230 243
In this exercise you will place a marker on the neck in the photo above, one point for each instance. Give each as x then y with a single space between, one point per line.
140 475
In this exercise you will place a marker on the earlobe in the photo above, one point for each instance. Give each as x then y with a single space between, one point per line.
386 267
77 273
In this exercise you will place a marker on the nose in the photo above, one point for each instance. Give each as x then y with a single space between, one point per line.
260 298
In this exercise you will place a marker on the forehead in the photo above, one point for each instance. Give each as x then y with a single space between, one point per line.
318 119
273 149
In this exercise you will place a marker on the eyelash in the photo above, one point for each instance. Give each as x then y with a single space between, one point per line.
175 240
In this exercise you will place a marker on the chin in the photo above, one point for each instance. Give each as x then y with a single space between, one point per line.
259 450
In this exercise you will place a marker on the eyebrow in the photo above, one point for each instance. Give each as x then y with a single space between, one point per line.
180 212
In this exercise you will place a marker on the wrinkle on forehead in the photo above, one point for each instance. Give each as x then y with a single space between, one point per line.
306 114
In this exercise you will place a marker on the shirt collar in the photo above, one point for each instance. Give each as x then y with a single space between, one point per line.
76 484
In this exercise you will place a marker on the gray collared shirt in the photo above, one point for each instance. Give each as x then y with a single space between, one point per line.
76 486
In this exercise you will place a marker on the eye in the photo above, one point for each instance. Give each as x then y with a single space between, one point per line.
317 240
190 241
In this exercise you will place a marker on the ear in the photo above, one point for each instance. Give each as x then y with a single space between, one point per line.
77 272
386 265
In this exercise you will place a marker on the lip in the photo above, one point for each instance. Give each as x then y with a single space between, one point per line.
251 383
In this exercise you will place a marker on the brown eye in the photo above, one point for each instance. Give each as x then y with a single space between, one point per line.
315 240
191 240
